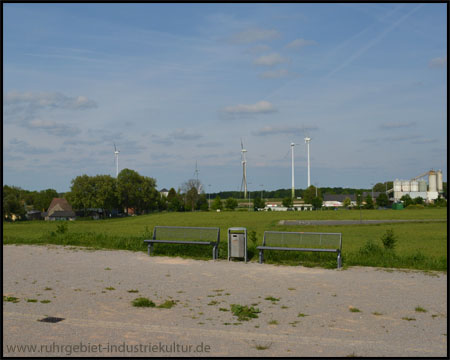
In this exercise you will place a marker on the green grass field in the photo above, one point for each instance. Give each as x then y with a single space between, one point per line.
421 245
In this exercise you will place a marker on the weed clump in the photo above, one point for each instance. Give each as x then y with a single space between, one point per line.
389 239
143 302
244 313
168 304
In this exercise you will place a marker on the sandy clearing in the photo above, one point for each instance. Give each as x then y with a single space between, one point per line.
77 280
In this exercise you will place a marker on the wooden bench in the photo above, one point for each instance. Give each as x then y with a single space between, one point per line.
301 241
185 235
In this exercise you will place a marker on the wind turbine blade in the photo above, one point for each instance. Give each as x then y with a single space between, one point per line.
242 145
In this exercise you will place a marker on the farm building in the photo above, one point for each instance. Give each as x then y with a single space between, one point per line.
60 209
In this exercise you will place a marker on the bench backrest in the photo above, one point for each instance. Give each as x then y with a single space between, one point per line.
185 233
303 240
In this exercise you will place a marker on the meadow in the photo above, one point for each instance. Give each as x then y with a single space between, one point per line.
420 245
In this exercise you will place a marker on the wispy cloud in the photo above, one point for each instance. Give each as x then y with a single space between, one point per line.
181 134
47 100
261 107
275 74
290 130
255 35
397 125
439 62
54 127
209 144
270 60
374 41
299 43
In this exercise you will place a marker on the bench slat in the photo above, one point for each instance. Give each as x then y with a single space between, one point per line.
181 242
298 249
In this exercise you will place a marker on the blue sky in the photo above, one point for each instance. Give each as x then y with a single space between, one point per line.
176 84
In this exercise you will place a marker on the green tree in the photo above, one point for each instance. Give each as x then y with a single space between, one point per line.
418 200
406 200
12 202
231 203
347 202
316 202
148 198
82 193
258 203
217 203
174 201
287 202
129 188
191 189
382 200
202 202
105 194
369 202
310 193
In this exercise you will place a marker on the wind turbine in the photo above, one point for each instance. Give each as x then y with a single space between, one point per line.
197 184
244 170
116 156
292 158
307 141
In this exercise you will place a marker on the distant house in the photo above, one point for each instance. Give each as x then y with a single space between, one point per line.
337 200
34 215
60 209
164 192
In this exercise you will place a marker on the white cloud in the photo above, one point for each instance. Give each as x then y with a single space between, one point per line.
299 43
439 62
254 35
270 60
260 107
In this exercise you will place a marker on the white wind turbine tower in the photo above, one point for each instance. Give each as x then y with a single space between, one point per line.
292 160
244 170
307 141
116 156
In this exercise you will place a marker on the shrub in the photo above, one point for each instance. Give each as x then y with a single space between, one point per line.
244 312
389 239
143 302
62 228
252 237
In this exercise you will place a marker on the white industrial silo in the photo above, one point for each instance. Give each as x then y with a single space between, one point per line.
440 185
422 186
432 184
397 185
406 186
414 186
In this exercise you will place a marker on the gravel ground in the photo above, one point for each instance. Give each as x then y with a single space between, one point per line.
312 317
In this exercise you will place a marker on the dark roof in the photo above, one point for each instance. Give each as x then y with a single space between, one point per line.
341 197
164 190
338 197
62 214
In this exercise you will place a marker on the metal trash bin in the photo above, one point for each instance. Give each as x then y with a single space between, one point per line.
237 243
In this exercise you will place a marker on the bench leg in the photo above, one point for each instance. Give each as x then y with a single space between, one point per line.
339 261
214 253
150 248
261 256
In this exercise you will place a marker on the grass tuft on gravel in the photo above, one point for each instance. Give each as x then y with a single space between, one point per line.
143 302
244 313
